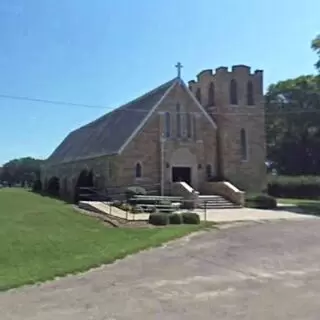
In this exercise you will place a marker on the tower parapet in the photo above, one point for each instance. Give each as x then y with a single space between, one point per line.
247 86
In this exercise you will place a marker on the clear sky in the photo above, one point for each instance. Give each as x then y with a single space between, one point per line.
106 52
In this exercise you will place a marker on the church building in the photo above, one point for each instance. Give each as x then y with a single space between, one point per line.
209 129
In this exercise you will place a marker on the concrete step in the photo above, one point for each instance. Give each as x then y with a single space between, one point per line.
210 196
215 202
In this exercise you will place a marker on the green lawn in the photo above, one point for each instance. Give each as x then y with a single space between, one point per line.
41 238
309 206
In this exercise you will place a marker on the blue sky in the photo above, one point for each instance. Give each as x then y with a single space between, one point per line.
106 52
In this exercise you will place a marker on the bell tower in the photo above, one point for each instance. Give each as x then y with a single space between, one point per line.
235 100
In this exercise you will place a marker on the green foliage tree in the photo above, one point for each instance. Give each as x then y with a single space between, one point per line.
21 170
315 45
293 125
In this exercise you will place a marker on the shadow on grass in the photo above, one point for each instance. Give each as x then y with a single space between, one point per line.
51 196
305 207
310 208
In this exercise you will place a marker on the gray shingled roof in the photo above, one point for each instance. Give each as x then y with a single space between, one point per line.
107 134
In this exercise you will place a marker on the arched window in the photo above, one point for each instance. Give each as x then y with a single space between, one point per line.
250 100
198 95
167 125
179 125
109 169
194 118
211 97
233 92
189 125
208 171
138 170
244 145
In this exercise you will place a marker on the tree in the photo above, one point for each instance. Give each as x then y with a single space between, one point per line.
21 170
315 45
293 125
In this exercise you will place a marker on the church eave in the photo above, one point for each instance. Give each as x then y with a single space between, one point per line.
69 161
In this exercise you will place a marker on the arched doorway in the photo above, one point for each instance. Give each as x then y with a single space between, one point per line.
45 186
85 180
65 189
53 187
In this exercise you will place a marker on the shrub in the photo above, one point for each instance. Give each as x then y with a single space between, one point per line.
37 186
175 218
137 209
125 207
190 218
307 187
261 201
117 204
134 191
159 219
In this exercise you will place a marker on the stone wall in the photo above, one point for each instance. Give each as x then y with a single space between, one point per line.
143 149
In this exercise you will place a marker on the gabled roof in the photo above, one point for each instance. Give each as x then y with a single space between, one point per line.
107 134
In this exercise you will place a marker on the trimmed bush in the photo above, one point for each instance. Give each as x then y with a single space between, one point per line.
159 219
175 218
261 201
190 218
299 187
134 191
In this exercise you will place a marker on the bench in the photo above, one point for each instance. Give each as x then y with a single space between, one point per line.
169 198
162 208
155 199
174 203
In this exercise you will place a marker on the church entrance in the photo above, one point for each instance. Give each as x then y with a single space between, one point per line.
181 174
183 165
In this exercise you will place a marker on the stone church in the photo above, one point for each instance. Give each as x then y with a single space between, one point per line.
211 128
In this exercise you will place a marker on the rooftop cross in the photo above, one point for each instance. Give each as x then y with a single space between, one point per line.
179 66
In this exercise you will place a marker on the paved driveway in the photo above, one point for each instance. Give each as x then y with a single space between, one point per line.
255 271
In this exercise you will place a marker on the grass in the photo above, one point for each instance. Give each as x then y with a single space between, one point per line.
41 238
308 206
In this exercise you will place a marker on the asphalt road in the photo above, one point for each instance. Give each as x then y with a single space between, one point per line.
258 271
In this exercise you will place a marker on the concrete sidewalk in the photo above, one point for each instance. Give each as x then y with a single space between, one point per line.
251 214
213 215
